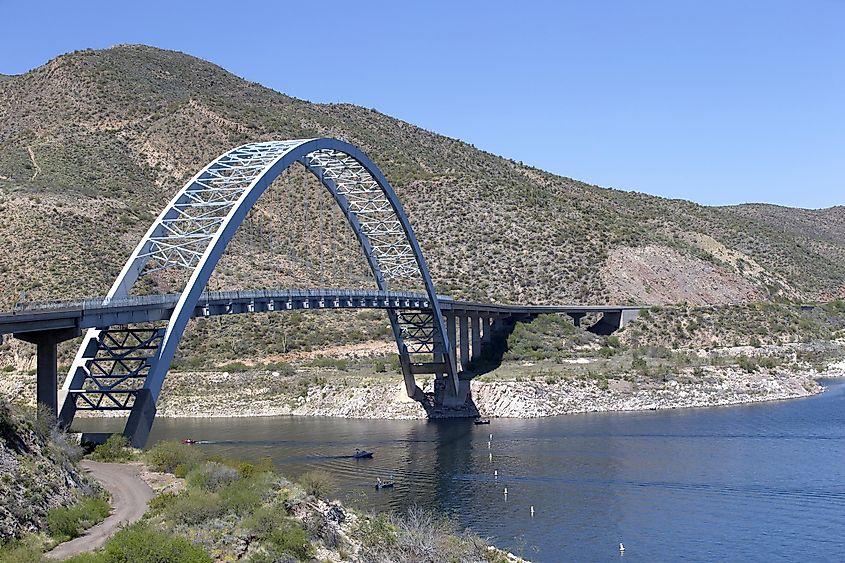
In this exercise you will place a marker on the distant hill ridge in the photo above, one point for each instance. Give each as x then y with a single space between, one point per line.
93 143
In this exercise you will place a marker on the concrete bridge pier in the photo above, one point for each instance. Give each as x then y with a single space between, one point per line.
451 331
486 329
576 318
464 327
46 364
475 322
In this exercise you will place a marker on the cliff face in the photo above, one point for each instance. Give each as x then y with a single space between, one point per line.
36 473
97 141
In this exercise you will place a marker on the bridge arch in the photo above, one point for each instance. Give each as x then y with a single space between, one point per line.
193 231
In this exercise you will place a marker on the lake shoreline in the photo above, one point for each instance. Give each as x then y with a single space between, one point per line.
378 399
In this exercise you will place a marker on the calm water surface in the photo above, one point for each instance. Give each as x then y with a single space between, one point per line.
761 482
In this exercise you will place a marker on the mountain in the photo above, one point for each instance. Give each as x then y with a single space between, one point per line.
94 143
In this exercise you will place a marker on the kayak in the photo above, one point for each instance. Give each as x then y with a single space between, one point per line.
387 485
362 455
481 421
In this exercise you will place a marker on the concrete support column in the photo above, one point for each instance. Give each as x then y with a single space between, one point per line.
465 341
486 329
475 319
46 369
576 318
451 331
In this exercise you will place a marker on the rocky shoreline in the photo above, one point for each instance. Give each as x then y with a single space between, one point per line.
384 398
527 392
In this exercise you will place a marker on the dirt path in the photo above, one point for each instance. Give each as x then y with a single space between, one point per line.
129 498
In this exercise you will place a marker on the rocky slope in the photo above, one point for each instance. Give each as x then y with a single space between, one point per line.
37 473
97 140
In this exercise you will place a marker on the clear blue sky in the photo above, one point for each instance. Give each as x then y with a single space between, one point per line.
715 101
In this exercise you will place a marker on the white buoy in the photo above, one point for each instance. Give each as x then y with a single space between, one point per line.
532 511
506 491
496 473
489 444
491 437
491 456
621 547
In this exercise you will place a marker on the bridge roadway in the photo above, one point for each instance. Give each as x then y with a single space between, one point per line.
95 312
471 326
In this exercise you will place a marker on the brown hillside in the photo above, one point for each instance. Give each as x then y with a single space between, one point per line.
93 143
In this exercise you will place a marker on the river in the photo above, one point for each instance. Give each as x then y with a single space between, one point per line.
760 482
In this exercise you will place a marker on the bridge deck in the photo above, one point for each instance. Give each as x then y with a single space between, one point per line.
95 312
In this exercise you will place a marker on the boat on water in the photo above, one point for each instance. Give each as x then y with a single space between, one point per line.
384 484
479 421
362 454
189 441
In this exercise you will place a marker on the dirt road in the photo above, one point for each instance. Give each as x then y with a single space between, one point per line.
129 498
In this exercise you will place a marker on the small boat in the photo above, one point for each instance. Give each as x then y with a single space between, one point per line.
362 454
481 421
384 485
189 441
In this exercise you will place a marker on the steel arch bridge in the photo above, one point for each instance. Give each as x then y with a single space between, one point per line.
124 368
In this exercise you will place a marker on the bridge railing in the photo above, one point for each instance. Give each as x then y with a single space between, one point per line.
211 297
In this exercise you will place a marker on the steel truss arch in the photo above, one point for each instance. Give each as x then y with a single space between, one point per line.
195 228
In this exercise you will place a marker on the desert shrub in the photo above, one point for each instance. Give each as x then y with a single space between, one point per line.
378 532
244 495
167 456
20 553
283 368
140 542
420 535
289 538
334 363
194 507
747 364
316 483
211 475
162 502
281 534
116 448
64 523
247 469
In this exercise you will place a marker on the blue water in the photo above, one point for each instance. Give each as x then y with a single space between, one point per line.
762 482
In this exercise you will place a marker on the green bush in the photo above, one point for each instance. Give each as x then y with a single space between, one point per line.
20 553
244 495
167 456
194 507
116 448
211 476
378 531
282 535
64 523
316 483
289 538
140 543
334 363
747 364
